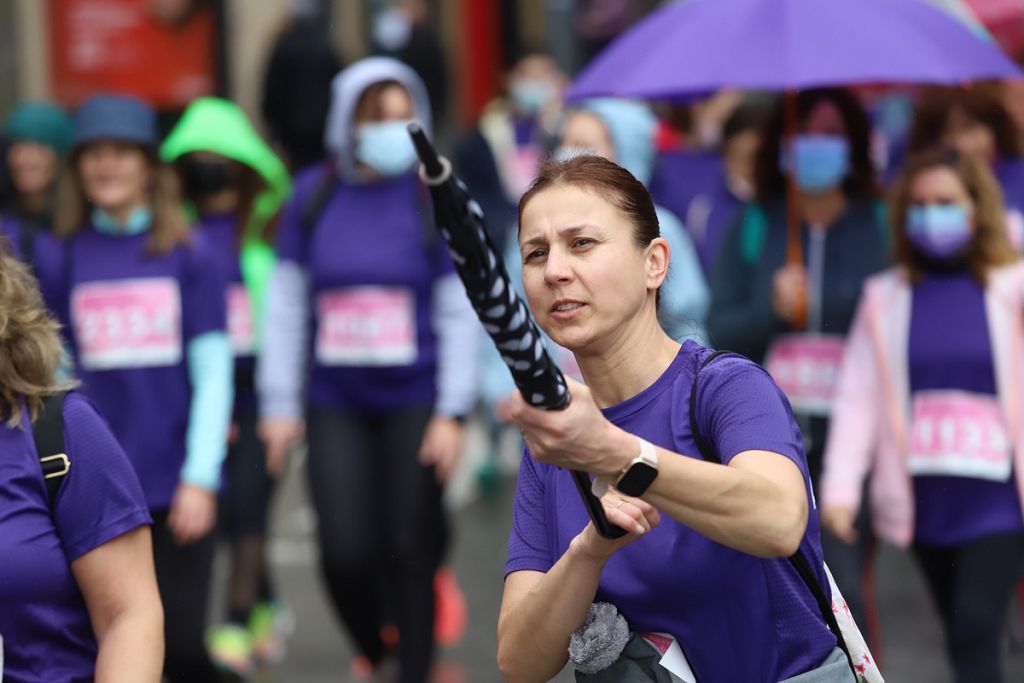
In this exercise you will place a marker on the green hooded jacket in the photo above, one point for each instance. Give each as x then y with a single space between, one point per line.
212 124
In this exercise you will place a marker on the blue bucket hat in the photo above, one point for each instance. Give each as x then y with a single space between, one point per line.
116 117
40 122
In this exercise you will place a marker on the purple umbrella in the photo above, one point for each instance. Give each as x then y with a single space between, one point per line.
695 47
698 46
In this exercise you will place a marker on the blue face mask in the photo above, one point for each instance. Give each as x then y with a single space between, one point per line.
817 162
940 231
138 221
385 147
530 97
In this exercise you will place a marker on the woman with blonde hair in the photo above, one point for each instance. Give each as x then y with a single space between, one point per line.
80 602
145 311
929 398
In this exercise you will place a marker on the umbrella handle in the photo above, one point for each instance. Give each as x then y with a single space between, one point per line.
435 169
594 508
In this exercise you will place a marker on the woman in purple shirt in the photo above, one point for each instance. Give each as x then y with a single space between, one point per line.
79 602
929 398
370 343
143 302
704 560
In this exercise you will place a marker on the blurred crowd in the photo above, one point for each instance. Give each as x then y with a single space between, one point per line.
225 296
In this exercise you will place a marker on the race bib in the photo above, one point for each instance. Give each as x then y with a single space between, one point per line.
960 434
127 323
806 368
672 657
366 326
241 327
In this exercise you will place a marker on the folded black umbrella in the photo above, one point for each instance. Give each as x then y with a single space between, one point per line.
503 314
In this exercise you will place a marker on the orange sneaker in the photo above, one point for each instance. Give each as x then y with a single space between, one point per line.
449 608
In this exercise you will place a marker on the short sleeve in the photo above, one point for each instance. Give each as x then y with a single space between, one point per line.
740 408
100 498
204 287
529 546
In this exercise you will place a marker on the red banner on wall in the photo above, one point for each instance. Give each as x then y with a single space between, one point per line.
160 50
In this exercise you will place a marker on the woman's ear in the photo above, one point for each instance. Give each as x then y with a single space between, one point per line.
658 256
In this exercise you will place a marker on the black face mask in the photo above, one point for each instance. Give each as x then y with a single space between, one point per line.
205 178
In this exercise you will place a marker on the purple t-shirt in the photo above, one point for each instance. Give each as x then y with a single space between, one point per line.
736 616
43 619
220 232
950 348
372 257
10 228
130 316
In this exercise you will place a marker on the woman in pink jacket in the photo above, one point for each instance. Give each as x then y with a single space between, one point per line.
930 401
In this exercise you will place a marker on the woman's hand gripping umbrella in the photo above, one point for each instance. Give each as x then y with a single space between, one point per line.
503 314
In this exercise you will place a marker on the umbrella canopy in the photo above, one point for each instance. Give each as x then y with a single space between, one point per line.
700 46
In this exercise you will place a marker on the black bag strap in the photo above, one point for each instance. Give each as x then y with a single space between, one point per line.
48 433
797 560
317 200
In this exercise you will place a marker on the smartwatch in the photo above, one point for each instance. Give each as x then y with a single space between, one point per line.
640 473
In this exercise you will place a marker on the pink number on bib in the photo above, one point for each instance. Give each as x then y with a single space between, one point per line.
806 368
957 433
241 329
366 326
127 323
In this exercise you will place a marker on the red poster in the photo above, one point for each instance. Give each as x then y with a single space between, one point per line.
160 50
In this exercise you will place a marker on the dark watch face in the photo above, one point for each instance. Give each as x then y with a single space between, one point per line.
636 479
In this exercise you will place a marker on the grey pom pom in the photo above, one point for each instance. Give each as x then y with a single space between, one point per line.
598 643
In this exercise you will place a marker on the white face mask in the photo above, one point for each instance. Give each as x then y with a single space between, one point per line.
392 29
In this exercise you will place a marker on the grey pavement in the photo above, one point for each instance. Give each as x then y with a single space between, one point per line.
319 652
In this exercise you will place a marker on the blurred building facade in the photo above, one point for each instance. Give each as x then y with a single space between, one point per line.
170 51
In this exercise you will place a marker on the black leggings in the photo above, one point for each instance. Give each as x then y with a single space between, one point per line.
244 510
183 577
381 526
972 585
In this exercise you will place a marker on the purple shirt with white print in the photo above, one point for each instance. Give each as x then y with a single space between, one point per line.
130 315
47 634
373 258
736 616
950 348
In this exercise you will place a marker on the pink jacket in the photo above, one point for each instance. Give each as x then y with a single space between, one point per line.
870 425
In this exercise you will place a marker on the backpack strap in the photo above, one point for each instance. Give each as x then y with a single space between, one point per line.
797 560
317 201
48 433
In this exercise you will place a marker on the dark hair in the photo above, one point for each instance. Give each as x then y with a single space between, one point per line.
249 184
368 106
990 245
751 114
522 52
605 179
170 227
860 183
979 103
